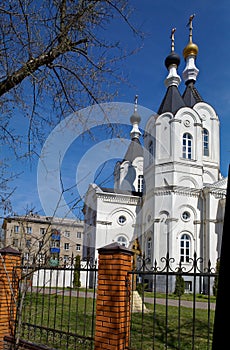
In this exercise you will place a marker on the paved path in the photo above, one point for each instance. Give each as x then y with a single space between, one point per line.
185 303
161 301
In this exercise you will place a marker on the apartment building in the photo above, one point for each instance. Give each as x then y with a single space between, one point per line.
41 236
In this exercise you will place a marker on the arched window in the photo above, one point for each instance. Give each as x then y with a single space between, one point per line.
149 249
187 146
122 241
185 246
140 183
205 142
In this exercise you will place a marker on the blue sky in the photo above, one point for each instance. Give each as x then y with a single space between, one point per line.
146 73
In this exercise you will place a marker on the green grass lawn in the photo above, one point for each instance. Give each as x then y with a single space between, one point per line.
177 329
56 316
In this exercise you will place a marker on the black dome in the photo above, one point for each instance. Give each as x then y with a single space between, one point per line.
172 58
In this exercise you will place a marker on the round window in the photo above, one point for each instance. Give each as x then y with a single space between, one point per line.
186 215
122 219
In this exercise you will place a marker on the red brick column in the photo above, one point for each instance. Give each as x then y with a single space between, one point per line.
9 259
113 298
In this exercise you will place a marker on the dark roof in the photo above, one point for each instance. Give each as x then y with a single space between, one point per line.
191 96
9 250
172 101
134 150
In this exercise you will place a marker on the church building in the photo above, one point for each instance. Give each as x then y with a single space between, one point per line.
169 194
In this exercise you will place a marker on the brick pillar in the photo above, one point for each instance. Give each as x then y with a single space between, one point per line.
113 298
9 259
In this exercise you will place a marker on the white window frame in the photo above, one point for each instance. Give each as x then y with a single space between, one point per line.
66 246
185 248
29 230
140 183
187 146
205 135
67 234
16 228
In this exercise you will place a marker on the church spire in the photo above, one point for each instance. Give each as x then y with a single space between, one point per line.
191 96
135 121
190 52
172 101
172 61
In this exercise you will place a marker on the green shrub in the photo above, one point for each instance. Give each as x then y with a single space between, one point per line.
215 284
179 286
76 274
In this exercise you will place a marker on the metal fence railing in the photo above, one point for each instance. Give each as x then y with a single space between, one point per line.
56 305
172 306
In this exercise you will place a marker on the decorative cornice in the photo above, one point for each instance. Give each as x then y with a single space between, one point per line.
185 191
118 198
101 222
175 120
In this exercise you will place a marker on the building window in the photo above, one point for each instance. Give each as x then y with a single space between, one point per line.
66 258
122 241
122 219
205 142
187 146
67 233
16 229
26 256
140 183
42 230
149 249
78 247
15 242
55 244
185 244
28 243
79 234
29 230
188 286
66 246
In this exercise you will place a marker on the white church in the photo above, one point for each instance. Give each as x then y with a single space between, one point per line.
169 194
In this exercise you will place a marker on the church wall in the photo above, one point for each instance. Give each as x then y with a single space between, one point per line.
214 218
116 219
210 121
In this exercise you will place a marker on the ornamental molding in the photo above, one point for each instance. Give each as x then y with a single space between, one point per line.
198 124
102 222
184 191
183 164
119 199
187 123
175 120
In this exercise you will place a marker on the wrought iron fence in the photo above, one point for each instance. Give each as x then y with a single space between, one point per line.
56 304
172 305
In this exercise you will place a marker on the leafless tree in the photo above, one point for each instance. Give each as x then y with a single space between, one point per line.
54 60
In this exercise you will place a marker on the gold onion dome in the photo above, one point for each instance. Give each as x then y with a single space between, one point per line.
190 49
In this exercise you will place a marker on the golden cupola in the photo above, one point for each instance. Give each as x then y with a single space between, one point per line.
191 48
190 52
